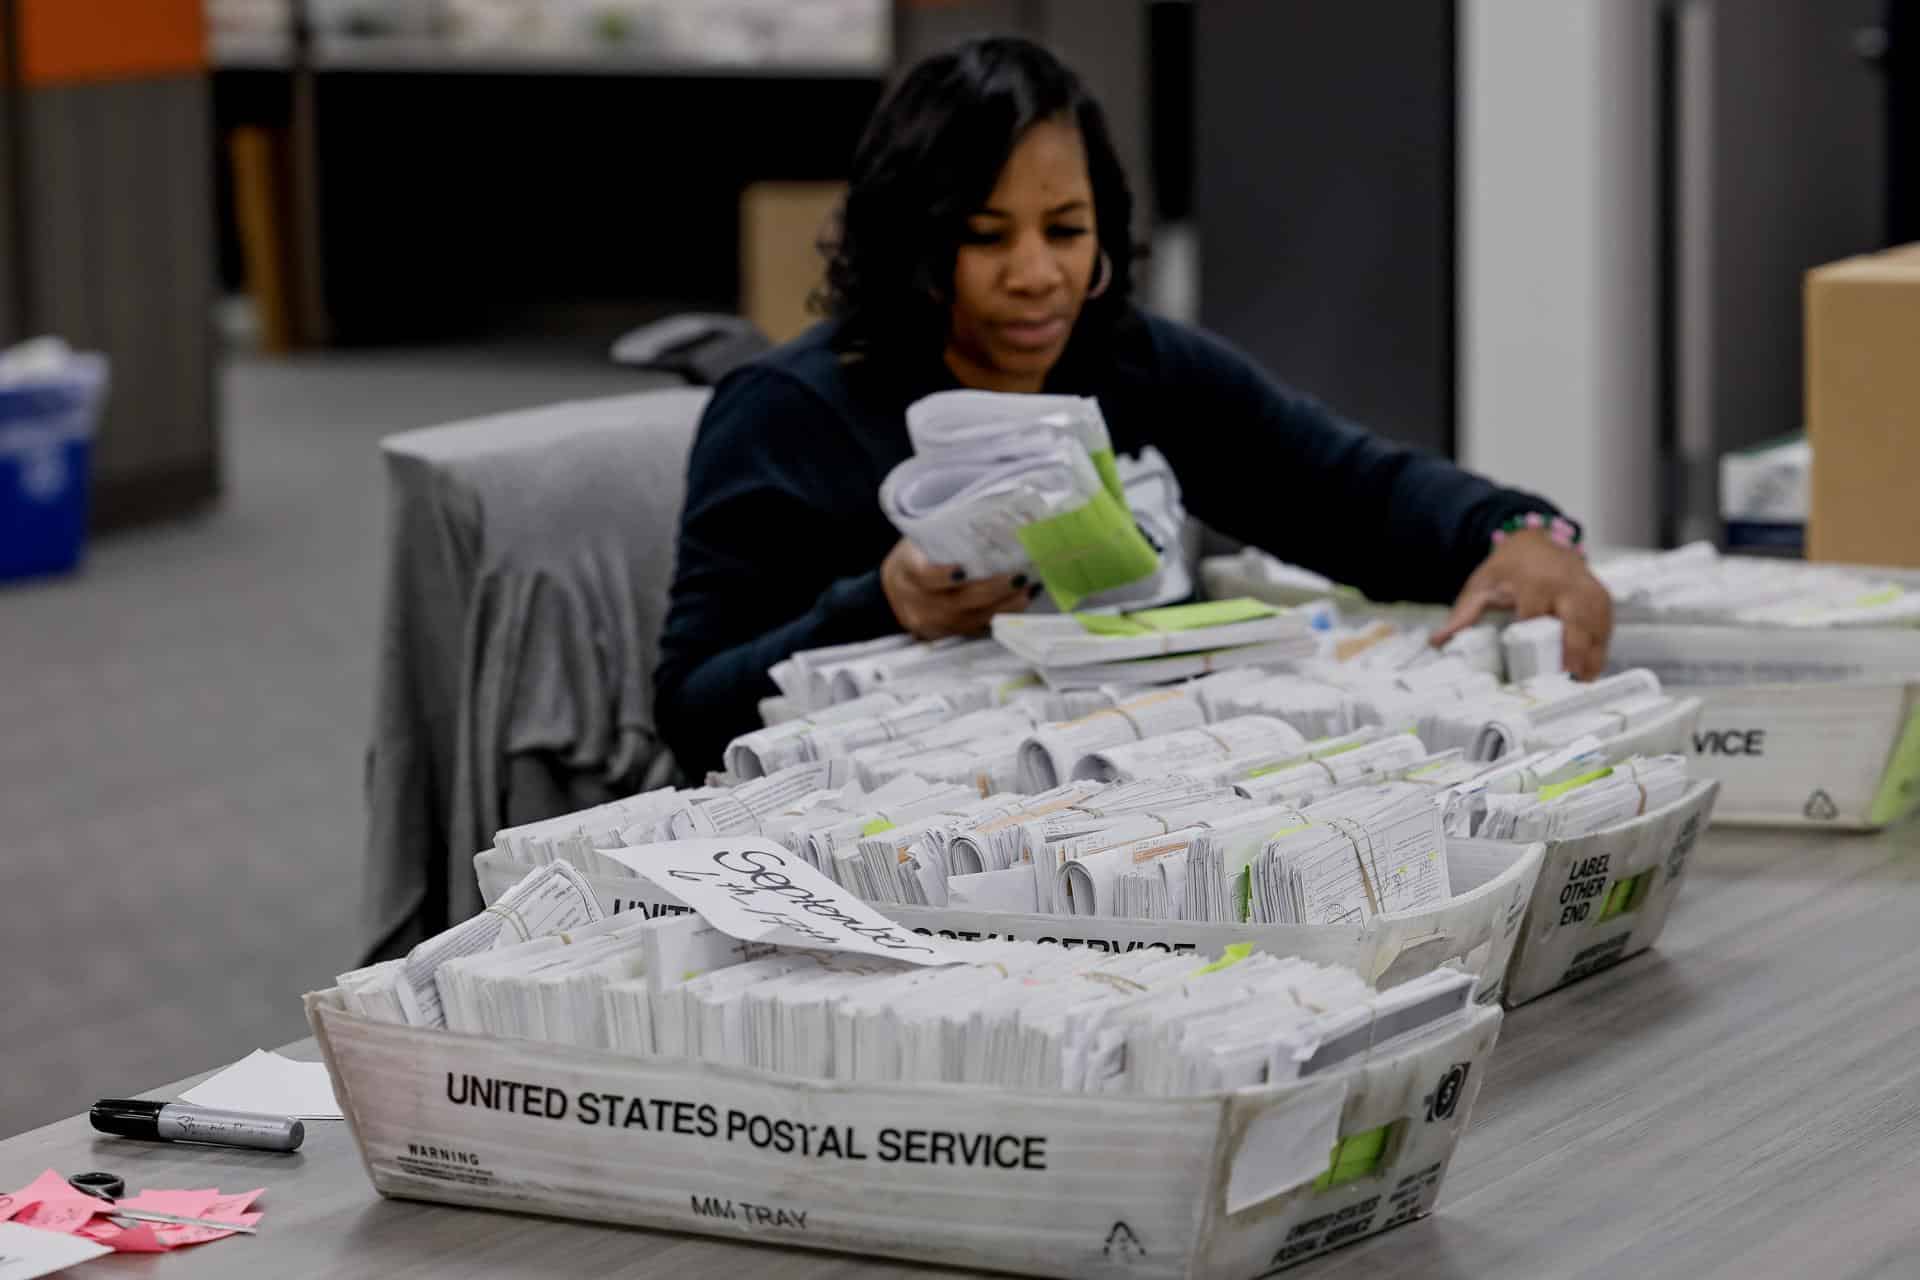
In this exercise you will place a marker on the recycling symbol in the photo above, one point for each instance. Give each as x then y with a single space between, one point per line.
1123 1245
1820 806
1446 1095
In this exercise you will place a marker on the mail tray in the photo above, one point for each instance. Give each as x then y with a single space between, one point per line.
1603 897
1229 1185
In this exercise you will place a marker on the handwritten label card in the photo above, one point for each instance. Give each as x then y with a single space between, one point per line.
756 891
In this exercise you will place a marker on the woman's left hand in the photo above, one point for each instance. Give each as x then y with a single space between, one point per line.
1535 576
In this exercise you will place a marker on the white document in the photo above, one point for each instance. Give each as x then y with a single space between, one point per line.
543 901
1067 641
1287 1144
267 1083
1180 752
1009 890
1533 647
759 892
26 1252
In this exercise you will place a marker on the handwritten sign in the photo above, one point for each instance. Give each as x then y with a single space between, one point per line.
756 891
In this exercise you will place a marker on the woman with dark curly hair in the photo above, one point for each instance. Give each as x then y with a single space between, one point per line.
985 243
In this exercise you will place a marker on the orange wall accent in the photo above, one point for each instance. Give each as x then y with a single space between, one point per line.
66 41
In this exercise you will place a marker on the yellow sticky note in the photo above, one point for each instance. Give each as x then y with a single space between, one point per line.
1554 790
1900 785
1206 613
1111 624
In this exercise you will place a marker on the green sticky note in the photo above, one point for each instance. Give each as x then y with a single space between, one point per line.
1887 596
1625 895
1109 469
1112 624
1900 785
1233 955
1206 613
1091 549
1353 1158
1006 687
877 826
1554 790
1338 751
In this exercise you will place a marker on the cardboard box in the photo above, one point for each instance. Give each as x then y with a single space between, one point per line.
1476 930
1604 897
781 225
1229 1185
1801 727
1863 408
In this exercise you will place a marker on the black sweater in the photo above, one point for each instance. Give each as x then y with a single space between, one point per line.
782 535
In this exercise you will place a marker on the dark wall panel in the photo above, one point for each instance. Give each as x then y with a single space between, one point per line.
1324 191
1781 166
118 229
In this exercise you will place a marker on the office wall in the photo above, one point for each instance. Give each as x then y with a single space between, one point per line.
1105 41
1780 165
1558 265
110 230
1324 200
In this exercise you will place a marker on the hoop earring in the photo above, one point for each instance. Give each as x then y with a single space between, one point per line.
1103 276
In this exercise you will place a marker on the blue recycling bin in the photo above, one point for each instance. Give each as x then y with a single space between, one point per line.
46 444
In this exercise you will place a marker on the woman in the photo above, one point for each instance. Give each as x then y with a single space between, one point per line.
984 243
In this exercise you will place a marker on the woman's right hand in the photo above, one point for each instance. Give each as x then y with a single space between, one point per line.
935 600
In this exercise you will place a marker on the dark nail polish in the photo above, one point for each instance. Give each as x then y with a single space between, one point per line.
959 575
1019 580
1033 590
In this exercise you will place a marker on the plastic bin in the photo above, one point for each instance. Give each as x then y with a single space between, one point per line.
46 442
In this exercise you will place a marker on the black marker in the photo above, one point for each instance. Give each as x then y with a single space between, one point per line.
184 1122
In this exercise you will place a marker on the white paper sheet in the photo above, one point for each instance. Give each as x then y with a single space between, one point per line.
26 1252
268 1083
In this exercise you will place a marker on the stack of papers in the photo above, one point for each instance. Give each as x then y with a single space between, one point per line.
843 994
964 737
1593 801
547 988
551 899
1333 764
1153 645
1691 584
932 664
806 680
1051 754
747 808
1216 748
1361 853
1003 484
1033 1017
840 730
1695 584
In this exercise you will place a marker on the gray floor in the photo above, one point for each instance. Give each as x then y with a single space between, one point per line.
181 731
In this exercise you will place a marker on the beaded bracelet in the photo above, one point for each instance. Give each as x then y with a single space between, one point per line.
1563 531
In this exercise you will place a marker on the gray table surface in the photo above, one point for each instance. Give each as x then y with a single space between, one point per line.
1742 1101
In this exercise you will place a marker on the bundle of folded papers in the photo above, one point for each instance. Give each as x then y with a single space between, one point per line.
1006 484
